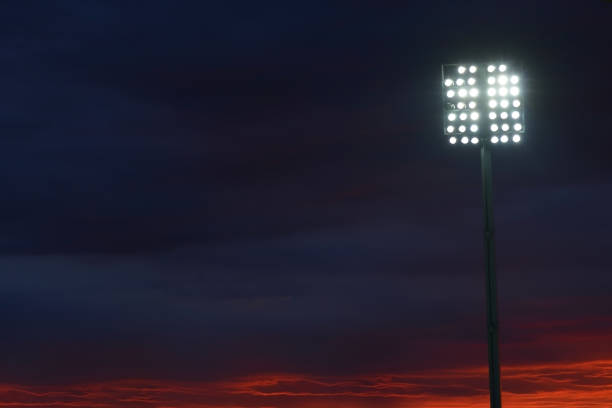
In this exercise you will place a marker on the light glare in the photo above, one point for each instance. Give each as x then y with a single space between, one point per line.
450 93
515 115
473 69
514 90
504 139
474 140
518 127
450 129
516 103
491 91
503 91
516 138
461 105
474 128
494 139
461 69
503 115
452 140
492 115
462 93
474 92
464 140
461 129
460 82
502 80
452 117
472 105
494 128
491 68
490 81
463 116
505 127
492 103
474 116
504 103
471 81
502 68
514 79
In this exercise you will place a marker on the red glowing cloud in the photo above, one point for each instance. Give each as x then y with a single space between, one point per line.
569 385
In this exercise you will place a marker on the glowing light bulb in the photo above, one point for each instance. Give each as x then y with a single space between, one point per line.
516 138
494 139
452 140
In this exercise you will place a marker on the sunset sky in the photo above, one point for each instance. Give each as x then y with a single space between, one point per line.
243 204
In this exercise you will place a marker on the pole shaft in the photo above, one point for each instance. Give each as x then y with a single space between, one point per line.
491 280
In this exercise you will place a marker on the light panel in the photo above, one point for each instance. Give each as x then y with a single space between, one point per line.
496 89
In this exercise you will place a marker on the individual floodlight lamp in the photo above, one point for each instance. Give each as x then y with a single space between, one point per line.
493 116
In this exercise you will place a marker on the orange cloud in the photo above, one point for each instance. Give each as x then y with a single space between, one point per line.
568 385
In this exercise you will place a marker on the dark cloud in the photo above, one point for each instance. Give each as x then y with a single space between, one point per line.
200 191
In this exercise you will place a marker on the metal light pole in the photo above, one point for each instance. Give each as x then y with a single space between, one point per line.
473 116
491 279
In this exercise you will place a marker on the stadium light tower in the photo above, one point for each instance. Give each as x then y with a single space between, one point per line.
483 106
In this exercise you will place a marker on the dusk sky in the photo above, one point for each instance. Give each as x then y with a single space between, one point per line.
243 204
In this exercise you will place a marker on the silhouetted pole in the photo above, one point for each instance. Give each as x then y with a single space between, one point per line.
491 280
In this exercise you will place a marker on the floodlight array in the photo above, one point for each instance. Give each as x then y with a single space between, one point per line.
482 102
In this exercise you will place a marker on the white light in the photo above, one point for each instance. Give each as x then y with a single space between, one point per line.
462 93
514 79
462 129
461 69
503 115
450 129
492 115
473 69
503 91
474 116
461 105
494 139
491 91
490 81
474 128
502 68
463 116
492 104
502 80
448 82
494 128
464 140
504 139
460 82
505 127
516 103
516 138
452 140
452 117
450 93
472 105
491 68
504 103
474 92
514 90
474 140
515 115
518 127
471 81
